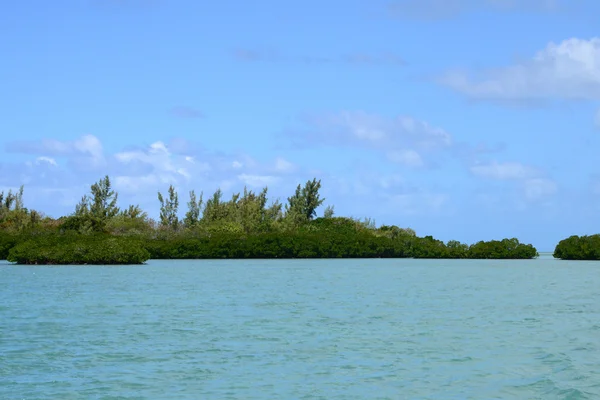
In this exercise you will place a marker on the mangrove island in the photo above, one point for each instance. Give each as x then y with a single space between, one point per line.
245 226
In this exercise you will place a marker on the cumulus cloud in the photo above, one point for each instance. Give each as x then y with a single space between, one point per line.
85 152
283 165
48 160
393 193
409 158
569 70
531 182
539 188
402 139
258 181
444 9
138 172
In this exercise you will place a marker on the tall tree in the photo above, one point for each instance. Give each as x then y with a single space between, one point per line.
94 210
83 207
169 208
11 201
302 206
214 209
192 216
103 203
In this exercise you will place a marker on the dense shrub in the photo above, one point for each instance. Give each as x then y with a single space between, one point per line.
578 248
502 249
7 242
79 249
332 244
245 226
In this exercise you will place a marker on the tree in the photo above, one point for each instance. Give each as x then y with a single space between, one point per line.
134 212
11 201
169 209
103 200
302 206
192 216
328 213
13 215
213 209
83 207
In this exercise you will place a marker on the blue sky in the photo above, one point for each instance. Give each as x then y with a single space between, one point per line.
460 119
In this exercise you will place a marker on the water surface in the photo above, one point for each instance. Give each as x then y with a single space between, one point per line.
320 329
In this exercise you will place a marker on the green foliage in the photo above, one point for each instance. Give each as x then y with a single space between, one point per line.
277 245
13 216
502 249
192 216
428 247
11 201
83 223
103 200
79 249
329 211
134 212
579 248
302 206
393 231
242 227
7 242
169 208
94 211
130 222
215 209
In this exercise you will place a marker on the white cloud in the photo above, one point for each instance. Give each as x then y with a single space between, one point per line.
568 70
85 152
538 188
409 158
138 172
90 144
394 195
282 165
162 167
403 139
531 184
258 181
48 160
504 171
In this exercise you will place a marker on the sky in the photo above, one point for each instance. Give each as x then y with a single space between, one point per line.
462 119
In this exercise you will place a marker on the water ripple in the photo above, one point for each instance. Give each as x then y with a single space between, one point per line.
321 329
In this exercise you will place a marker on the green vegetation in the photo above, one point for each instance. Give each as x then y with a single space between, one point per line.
79 249
578 248
245 226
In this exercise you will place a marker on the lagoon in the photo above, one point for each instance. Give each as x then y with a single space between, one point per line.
294 329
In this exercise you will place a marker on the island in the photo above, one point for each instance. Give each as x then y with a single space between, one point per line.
578 248
245 226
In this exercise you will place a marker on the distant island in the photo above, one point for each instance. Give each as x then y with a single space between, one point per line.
245 226
578 248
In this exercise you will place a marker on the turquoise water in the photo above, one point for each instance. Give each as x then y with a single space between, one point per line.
342 329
